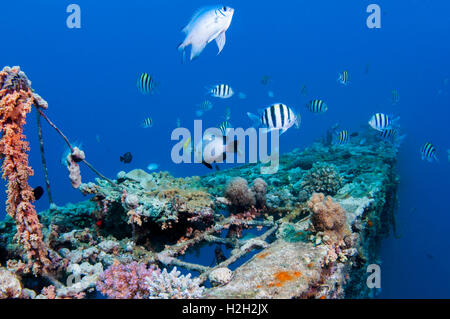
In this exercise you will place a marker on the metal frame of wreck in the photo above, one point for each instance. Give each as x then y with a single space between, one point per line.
169 254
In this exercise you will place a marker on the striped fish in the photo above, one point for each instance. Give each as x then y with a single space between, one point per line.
429 152
388 134
276 117
205 105
223 91
148 122
381 122
224 126
317 106
146 84
342 137
395 98
343 78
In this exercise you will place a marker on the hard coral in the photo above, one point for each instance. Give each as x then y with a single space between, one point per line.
322 178
328 216
125 281
239 194
259 188
16 99
170 285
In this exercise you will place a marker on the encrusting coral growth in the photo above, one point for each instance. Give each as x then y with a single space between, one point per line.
16 99
328 216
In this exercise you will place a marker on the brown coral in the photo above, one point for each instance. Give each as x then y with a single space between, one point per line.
239 194
328 216
259 188
16 99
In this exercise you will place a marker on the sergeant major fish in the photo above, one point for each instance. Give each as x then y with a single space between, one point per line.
343 78
317 106
276 117
429 152
222 91
207 24
381 122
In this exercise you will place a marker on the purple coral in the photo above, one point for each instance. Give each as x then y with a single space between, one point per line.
125 281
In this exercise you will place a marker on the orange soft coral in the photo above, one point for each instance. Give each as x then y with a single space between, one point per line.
16 100
328 216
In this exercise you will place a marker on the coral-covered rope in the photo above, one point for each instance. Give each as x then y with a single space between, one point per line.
16 100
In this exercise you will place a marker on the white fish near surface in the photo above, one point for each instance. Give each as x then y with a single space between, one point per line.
207 24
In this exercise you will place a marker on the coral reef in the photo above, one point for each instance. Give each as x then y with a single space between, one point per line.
301 245
16 100
173 285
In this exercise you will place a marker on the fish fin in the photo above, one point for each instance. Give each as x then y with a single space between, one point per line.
298 120
255 119
207 164
182 48
196 49
283 131
220 40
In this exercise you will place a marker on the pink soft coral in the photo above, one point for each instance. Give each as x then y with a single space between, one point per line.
125 281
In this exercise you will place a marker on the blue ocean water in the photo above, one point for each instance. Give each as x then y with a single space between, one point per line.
88 76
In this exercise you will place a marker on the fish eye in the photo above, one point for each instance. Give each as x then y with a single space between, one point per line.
225 9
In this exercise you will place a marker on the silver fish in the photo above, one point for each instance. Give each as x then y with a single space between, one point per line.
208 24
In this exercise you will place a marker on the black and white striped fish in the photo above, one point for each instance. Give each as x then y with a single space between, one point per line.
276 117
429 152
146 84
342 137
381 122
388 134
148 122
223 91
343 78
224 127
317 106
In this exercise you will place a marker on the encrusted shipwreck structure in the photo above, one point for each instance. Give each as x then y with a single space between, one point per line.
308 231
